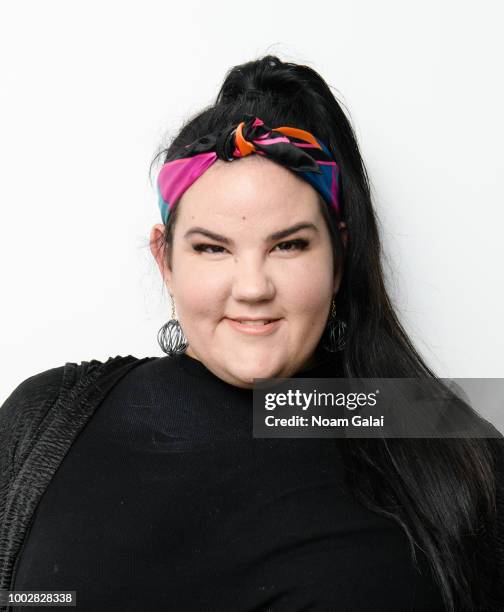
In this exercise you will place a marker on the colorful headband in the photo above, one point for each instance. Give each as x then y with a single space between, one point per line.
294 148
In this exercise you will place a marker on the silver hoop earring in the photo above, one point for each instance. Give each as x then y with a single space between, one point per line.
334 337
171 337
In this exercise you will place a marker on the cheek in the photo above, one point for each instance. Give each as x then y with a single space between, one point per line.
198 295
307 291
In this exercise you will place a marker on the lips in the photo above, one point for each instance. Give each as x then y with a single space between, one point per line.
254 326
253 319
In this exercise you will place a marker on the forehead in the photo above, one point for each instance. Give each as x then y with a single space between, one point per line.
253 186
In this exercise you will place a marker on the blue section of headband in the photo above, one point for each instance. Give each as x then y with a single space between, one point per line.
323 182
163 206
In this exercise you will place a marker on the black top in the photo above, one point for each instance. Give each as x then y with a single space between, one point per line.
166 501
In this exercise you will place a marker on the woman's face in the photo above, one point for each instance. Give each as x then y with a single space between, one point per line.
227 264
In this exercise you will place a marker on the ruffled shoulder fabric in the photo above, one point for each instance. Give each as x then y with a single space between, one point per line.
38 423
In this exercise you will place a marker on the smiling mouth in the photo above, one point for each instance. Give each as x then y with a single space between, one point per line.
262 326
261 322
253 320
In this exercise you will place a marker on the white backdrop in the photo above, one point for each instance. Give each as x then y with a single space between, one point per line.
88 90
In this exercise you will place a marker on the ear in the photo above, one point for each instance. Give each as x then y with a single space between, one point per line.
155 243
342 226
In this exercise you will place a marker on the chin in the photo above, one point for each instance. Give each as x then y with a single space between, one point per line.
260 370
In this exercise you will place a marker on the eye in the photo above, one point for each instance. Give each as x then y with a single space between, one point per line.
201 248
299 244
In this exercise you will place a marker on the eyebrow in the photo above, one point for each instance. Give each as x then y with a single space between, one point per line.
275 236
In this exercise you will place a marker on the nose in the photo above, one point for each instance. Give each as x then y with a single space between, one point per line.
252 282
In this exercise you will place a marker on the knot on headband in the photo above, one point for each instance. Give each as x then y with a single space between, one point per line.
296 149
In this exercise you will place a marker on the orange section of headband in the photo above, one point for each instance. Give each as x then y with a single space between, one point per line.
243 145
297 133
246 147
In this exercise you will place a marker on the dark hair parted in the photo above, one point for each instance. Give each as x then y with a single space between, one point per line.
442 492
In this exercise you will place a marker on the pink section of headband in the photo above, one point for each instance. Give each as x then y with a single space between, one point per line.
178 175
334 189
268 141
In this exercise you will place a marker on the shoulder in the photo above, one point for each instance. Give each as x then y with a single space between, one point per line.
36 390
23 412
41 390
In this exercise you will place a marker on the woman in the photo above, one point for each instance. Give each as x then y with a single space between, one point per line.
137 482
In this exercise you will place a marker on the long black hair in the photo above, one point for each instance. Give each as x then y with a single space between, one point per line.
442 492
